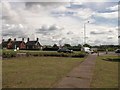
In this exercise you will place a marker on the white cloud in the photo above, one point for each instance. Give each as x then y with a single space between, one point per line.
57 1
110 15
12 30
113 8
32 18
10 14
82 1
84 13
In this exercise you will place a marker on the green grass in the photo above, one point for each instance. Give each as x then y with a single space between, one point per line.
36 72
0 51
106 72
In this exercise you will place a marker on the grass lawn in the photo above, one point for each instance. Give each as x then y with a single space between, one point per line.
36 72
0 51
106 72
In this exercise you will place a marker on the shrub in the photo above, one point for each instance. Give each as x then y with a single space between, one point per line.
80 54
8 54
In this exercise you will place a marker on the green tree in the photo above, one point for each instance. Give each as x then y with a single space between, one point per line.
87 45
55 46
79 46
67 45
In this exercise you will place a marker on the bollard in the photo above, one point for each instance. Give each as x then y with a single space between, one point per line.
98 53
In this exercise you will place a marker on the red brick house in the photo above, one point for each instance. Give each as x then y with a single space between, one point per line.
29 45
19 44
7 44
14 44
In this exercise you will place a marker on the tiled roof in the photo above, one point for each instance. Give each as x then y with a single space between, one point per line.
31 42
17 43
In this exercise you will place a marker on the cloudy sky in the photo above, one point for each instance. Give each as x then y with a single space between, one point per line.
54 22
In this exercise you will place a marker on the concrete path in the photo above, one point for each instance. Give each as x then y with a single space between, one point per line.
81 76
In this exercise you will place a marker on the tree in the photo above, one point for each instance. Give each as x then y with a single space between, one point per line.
86 45
79 45
67 45
55 46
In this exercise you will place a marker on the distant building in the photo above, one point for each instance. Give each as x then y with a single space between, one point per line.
19 44
7 44
33 45
4 44
13 44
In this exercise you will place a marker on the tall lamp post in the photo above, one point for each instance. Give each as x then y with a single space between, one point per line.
85 32
84 38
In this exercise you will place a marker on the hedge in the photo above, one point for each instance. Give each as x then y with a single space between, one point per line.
9 54
56 54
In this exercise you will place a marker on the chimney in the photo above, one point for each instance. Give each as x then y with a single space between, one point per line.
37 39
3 40
23 39
14 39
28 39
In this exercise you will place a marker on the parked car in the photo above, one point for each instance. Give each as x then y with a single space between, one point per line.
117 51
65 50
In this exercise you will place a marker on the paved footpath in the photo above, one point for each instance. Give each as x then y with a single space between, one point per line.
81 76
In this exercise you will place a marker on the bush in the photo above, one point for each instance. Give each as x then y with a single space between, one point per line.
8 54
80 54
50 49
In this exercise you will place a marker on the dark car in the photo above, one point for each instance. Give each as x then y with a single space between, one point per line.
117 51
65 50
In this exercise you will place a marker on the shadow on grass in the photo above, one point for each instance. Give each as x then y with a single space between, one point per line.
112 59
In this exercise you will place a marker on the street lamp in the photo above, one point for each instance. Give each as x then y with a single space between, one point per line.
85 32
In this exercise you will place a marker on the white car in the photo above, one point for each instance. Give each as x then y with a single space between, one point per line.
88 50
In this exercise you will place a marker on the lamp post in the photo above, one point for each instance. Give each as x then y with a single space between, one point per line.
85 32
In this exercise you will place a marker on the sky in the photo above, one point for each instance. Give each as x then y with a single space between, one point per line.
53 22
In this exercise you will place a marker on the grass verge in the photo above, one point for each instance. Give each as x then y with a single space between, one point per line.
36 72
106 72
